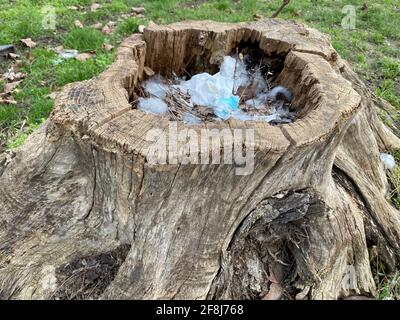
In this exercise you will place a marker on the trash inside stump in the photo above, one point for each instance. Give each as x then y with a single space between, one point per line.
388 160
238 91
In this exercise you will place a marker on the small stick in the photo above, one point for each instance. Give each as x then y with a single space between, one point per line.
234 73
22 126
284 4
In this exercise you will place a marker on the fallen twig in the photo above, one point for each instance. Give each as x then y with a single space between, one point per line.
284 4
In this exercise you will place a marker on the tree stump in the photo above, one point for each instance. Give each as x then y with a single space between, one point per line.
84 214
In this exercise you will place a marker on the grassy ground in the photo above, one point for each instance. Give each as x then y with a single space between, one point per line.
372 47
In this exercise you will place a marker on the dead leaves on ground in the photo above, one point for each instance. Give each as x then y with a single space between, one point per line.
109 27
107 47
13 56
148 71
12 75
29 43
106 29
138 10
296 13
12 79
8 100
73 54
52 95
78 24
9 87
97 25
84 56
94 7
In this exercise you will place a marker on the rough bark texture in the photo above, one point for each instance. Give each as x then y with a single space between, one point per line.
84 215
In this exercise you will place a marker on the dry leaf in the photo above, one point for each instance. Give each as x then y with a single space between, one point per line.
18 64
72 8
106 29
141 28
59 49
304 290
95 6
275 292
258 16
78 24
138 10
111 23
28 42
52 95
276 272
84 56
97 25
9 87
13 55
296 13
8 101
107 47
11 75
30 56
148 71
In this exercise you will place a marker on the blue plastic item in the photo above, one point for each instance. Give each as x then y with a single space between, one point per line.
225 106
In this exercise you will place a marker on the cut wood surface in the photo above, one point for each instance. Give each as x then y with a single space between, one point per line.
83 214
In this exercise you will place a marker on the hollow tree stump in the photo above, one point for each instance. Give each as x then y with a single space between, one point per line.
83 214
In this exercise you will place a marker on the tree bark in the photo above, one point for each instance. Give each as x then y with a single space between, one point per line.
83 214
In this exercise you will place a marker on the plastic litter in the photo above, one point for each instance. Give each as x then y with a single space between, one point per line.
280 90
68 53
203 89
211 90
189 118
220 93
240 115
258 101
387 160
234 72
153 105
258 81
155 86
225 106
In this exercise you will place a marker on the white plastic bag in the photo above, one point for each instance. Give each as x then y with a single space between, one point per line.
153 105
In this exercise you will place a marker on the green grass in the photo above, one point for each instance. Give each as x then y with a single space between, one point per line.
9 115
19 138
85 39
388 286
73 70
128 26
20 21
372 49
